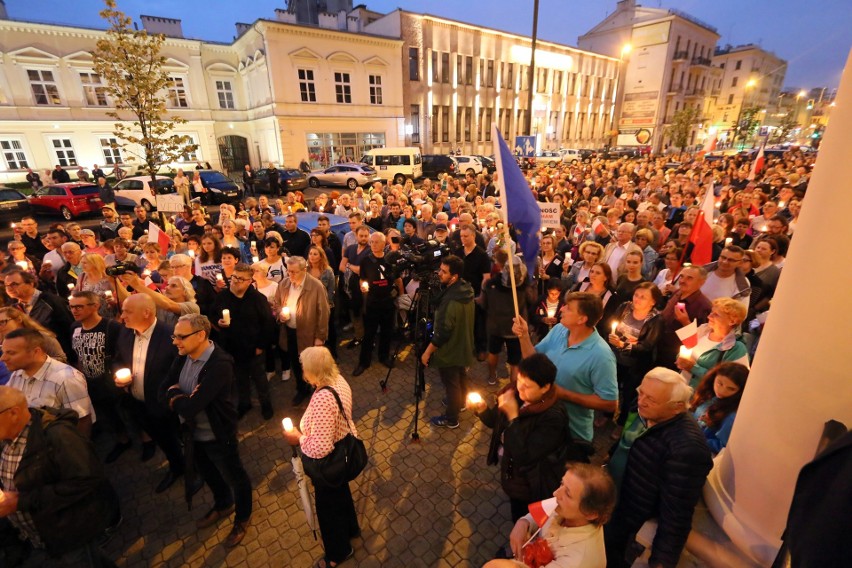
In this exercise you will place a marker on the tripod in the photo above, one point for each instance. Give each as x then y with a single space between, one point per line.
419 316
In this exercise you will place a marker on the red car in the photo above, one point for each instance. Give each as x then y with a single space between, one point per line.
67 199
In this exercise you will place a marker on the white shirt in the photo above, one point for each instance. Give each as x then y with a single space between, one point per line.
716 287
616 255
55 259
293 301
141 341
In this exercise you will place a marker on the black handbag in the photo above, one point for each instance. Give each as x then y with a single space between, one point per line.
345 462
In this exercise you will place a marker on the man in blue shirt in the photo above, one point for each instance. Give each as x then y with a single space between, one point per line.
586 377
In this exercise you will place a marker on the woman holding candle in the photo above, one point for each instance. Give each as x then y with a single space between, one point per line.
590 253
599 282
716 401
549 262
667 280
546 314
323 424
532 429
208 263
717 341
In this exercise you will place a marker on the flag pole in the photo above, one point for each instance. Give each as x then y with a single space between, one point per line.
507 240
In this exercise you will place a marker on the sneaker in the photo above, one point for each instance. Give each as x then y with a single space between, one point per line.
444 422
445 404
285 375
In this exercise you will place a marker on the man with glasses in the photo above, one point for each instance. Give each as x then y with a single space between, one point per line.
144 346
725 279
246 329
55 493
659 465
301 306
200 389
47 309
93 339
45 381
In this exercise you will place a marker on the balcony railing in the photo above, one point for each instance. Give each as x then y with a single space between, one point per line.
676 88
680 55
696 93
704 61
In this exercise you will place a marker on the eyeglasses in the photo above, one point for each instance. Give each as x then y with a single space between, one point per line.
183 337
238 279
79 306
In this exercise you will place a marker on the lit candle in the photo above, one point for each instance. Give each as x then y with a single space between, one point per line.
763 229
108 294
614 326
474 398
717 205
146 272
14 225
70 286
219 277
728 241
254 244
226 317
551 312
123 377
365 286
780 206
23 264
255 259
369 214
321 208
599 208
685 353
285 313
287 424
191 253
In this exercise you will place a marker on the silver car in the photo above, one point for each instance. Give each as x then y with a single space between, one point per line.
347 175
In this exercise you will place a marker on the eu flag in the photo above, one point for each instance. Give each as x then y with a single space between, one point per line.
521 208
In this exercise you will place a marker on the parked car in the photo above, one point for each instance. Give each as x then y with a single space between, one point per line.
569 155
615 152
434 164
137 190
548 159
13 205
488 163
67 199
395 164
290 179
349 175
586 153
469 164
220 188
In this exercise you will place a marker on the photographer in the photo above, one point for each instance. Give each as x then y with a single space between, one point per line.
452 341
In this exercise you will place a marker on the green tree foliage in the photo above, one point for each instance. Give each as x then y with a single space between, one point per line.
746 128
681 126
785 126
131 66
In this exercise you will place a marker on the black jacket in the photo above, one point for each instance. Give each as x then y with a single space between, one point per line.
641 356
252 325
665 473
216 394
158 360
61 483
50 311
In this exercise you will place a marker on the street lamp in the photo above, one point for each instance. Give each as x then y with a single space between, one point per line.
738 132
621 73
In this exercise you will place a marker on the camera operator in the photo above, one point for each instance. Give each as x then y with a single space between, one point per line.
377 282
452 342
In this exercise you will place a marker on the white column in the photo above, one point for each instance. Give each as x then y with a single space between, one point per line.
800 378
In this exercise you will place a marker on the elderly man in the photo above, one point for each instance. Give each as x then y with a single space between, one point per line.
687 304
616 251
659 465
71 270
199 387
725 279
301 305
55 492
246 330
45 381
426 223
586 373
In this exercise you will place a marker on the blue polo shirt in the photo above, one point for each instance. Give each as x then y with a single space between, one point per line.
585 368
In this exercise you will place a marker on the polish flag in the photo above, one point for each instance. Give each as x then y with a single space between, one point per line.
709 143
542 510
701 236
688 335
156 235
757 165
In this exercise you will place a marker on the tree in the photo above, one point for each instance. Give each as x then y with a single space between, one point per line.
745 128
785 126
681 126
130 64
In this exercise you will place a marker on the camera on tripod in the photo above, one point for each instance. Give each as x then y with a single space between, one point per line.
418 259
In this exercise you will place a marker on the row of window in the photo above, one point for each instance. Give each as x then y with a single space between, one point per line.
46 90
342 87
14 155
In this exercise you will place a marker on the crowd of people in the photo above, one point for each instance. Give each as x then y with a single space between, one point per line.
105 332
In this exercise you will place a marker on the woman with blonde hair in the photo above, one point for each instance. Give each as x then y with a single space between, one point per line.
13 318
326 421
94 279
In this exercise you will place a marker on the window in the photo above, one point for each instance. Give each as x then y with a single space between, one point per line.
734 81
489 117
510 83
541 80
436 72
13 154
467 121
307 88
523 75
177 92
375 89
738 65
191 156
481 72
445 67
459 111
94 89
730 99
44 87
489 74
445 122
415 124
65 156
225 94
435 117
468 70
342 88
413 64
459 67
112 153
557 81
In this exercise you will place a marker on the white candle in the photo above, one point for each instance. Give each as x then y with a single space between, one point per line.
599 208
369 214
123 377
780 206
551 312
287 424
23 264
14 225
728 241
70 286
226 316
254 244
684 353
191 253
474 398
285 312
321 208
365 286
219 277
614 326
255 259
108 294
763 229
146 272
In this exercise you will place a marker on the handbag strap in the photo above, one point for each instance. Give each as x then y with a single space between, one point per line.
340 406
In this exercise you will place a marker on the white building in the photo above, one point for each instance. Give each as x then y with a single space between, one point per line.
668 67
459 78
279 93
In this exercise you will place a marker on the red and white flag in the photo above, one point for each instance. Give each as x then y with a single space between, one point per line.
688 334
709 143
157 235
541 510
701 236
757 165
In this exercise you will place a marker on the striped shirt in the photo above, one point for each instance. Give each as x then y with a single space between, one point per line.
55 385
11 454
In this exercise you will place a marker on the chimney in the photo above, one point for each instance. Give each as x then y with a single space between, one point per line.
242 28
3 14
169 27
285 16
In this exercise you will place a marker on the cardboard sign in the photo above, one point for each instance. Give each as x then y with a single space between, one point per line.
549 215
170 203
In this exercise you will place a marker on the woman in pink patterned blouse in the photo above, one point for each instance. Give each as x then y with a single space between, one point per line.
322 425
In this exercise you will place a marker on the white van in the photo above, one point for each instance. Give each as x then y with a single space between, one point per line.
395 164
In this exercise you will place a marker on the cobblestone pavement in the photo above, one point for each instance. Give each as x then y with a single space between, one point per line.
435 503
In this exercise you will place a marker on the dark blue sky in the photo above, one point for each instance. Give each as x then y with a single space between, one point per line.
814 37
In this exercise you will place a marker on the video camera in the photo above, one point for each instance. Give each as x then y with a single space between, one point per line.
122 268
419 259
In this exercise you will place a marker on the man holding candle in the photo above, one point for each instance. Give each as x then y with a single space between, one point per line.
296 241
245 329
199 387
688 303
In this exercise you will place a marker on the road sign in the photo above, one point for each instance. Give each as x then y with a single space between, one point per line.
525 146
